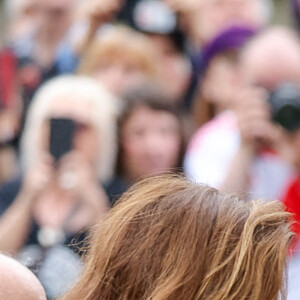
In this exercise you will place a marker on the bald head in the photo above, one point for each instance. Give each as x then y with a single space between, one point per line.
17 282
273 57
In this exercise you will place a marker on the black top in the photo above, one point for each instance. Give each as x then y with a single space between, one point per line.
10 190
56 267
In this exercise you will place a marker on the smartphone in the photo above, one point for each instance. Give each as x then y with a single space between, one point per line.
61 136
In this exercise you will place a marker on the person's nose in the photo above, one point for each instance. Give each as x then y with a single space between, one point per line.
154 144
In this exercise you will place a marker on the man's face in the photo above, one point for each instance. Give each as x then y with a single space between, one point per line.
272 60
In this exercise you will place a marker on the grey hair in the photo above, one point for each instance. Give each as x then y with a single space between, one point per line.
83 90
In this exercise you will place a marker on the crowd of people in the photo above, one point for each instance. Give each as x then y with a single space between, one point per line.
96 95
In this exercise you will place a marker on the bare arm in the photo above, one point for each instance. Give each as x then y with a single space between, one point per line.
237 179
16 222
256 130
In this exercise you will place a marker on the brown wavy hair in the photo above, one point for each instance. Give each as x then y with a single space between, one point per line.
168 238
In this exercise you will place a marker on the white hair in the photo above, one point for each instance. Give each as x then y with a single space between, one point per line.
84 91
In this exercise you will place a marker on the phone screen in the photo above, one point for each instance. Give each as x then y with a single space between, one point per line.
61 136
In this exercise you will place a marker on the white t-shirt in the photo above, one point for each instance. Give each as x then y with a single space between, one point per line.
212 150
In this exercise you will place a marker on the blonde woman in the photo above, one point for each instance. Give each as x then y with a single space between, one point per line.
168 239
56 200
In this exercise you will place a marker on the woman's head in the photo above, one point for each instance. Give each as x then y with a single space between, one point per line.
221 81
150 134
94 112
118 63
168 238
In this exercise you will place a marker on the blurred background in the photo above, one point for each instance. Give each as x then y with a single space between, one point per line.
98 94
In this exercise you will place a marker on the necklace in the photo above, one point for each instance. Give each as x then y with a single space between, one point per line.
48 236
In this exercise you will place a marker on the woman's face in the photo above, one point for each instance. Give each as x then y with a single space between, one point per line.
151 142
86 138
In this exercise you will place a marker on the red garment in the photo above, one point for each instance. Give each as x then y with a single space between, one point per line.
292 203
8 71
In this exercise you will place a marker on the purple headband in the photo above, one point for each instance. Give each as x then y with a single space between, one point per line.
295 7
233 38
